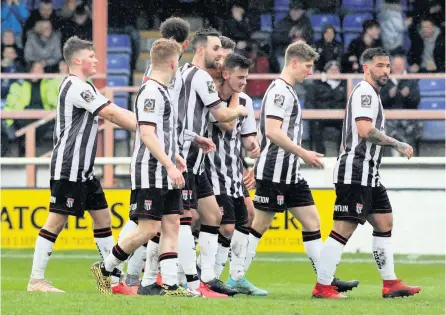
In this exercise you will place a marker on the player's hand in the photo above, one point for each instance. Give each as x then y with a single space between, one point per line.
204 143
181 163
242 111
176 176
404 149
249 180
312 159
255 150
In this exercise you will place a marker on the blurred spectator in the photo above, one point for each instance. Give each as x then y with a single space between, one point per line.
10 64
8 39
14 14
296 25
237 27
328 47
402 94
79 25
428 8
426 53
68 9
326 94
32 94
43 12
393 25
370 38
44 45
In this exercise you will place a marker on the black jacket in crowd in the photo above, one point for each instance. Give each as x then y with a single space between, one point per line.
417 48
356 48
320 95
327 52
281 38
237 31
398 101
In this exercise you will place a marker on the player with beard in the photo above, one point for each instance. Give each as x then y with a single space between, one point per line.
203 99
360 194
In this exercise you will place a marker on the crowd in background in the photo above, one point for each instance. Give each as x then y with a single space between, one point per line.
32 41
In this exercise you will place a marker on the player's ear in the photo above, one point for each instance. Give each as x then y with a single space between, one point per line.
185 45
365 67
172 64
225 74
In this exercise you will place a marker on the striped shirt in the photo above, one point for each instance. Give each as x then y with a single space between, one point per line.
225 166
153 106
76 130
201 96
275 164
178 94
360 160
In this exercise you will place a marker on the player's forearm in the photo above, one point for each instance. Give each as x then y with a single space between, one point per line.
282 140
153 145
224 115
377 137
125 119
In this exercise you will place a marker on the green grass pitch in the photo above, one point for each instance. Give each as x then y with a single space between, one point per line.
288 278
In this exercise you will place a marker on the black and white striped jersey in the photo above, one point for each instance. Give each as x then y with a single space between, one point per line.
178 94
275 164
153 106
201 95
225 166
76 130
360 160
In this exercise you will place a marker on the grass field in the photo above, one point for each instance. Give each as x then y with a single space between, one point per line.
288 278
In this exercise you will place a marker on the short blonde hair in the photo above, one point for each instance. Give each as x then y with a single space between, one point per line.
163 50
300 50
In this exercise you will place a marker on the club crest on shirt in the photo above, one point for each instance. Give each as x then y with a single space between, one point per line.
211 87
366 101
87 96
279 100
149 105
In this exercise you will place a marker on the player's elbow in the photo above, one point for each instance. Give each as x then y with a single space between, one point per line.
364 128
270 133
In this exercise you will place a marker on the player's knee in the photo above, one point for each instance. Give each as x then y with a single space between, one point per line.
345 228
311 223
227 230
101 219
55 223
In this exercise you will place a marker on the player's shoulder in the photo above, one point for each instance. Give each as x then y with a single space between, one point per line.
152 87
247 99
79 84
366 93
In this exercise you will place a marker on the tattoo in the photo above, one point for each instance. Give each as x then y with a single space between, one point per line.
378 138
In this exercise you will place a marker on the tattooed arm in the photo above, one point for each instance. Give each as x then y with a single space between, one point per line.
374 136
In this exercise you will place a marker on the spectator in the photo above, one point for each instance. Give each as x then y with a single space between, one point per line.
238 27
43 12
402 94
68 9
393 25
32 94
44 46
326 94
296 25
10 64
328 47
14 14
426 53
79 25
8 39
370 38
428 8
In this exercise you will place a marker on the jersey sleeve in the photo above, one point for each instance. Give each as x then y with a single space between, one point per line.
149 106
89 98
276 103
205 88
364 105
249 127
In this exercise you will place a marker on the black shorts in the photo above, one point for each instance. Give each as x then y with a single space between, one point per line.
245 191
233 210
153 203
74 198
277 197
196 187
354 202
